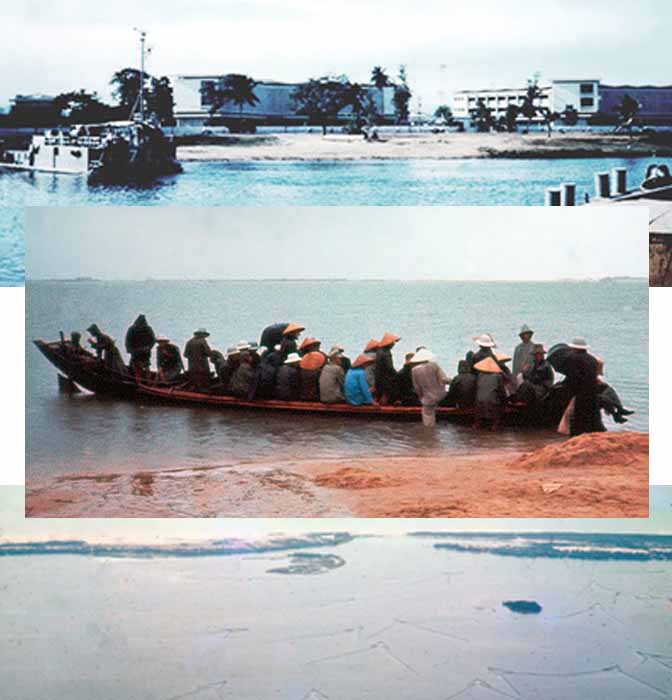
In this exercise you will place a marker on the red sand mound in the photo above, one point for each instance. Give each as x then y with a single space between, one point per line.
353 478
619 449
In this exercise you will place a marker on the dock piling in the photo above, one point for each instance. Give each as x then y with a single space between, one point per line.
602 188
553 197
620 181
568 194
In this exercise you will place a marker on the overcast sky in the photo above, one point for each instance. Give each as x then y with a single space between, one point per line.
52 47
13 525
460 243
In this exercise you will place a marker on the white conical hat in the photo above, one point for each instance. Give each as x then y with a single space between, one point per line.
423 355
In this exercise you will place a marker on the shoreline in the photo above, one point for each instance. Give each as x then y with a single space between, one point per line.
450 146
596 475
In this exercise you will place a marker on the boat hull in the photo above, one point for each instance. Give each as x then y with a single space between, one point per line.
86 371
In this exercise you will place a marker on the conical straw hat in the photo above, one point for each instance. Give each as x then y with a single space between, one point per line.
488 366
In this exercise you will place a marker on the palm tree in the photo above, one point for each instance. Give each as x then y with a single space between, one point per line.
239 89
381 80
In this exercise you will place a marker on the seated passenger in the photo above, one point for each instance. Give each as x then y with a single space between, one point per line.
309 370
386 376
490 393
332 378
290 338
268 370
287 380
462 390
538 378
356 386
345 360
243 376
168 360
407 393
370 369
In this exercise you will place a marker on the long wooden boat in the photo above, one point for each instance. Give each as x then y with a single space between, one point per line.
86 371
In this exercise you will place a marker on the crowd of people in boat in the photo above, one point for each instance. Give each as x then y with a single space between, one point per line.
284 367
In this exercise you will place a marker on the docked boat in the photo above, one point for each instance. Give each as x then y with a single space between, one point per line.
110 153
80 368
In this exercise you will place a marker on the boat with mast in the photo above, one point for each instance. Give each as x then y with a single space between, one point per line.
116 152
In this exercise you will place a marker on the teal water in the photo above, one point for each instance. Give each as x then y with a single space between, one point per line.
81 433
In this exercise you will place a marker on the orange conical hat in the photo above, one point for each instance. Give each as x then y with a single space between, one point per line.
293 328
371 345
313 360
362 360
388 339
307 342
488 366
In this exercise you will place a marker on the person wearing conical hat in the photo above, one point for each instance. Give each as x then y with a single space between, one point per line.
290 338
583 384
486 344
386 387
429 383
197 351
168 360
310 368
490 393
407 394
538 379
356 386
523 352
370 369
332 378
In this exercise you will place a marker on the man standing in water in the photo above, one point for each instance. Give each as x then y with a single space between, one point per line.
429 383
197 351
582 380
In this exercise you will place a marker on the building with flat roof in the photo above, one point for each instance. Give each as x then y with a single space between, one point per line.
275 105
593 101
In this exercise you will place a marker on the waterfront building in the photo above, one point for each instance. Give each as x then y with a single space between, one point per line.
595 103
275 106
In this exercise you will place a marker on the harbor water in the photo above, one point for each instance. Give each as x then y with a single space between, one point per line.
82 433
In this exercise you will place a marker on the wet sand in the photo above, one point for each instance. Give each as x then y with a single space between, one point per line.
421 146
378 617
598 475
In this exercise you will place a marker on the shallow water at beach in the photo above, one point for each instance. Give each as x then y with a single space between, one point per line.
82 433
12 266
371 617
477 182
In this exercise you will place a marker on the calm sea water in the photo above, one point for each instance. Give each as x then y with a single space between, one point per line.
332 183
382 183
66 434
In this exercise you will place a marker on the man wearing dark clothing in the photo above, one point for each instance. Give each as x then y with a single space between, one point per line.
168 360
387 390
582 380
106 349
538 378
268 370
462 389
407 394
287 381
197 351
140 340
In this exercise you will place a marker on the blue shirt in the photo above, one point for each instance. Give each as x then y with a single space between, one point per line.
357 387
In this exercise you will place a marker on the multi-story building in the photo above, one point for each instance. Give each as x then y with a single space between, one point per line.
582 95
593 101
275 105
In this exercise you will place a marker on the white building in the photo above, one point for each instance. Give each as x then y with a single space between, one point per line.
582 95
274 107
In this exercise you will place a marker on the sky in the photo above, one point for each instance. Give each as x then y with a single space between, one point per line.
420 243
15 527
446 46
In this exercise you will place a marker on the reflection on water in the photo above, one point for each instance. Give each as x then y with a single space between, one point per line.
400 183
12 266
82 432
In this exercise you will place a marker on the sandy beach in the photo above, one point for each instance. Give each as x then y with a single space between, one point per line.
314 146
597 475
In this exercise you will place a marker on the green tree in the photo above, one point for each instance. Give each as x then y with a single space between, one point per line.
158 94
81 107
444 112
511 118
235 88
627 109
481 116
531 107
402 97
321 99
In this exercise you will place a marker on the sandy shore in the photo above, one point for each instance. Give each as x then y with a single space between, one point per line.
599 475
421 146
